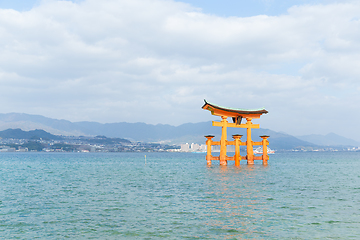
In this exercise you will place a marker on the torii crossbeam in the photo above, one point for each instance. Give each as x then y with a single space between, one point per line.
237 115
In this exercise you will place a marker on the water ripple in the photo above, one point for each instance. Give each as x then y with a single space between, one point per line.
117 196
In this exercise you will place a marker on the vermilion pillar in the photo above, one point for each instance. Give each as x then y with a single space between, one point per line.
223 141
249 144
208 149
265 155
237 156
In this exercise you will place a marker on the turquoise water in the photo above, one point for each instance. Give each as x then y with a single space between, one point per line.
177 196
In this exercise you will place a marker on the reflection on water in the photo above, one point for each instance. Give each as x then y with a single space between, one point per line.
237 200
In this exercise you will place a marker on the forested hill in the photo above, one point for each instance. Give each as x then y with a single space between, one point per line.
33 134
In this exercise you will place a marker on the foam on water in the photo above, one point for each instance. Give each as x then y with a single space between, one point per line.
176 195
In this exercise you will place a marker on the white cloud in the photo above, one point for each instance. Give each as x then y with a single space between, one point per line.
155 60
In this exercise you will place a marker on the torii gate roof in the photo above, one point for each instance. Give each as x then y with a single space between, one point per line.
233 112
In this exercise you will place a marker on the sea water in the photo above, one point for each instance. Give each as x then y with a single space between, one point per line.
177 196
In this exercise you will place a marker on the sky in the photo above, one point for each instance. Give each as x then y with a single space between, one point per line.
155 61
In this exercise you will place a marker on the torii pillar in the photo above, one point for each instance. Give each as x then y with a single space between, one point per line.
223 141
249 143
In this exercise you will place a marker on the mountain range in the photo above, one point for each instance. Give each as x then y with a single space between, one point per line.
330 139
163 133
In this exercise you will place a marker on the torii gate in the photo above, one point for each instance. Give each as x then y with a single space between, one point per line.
237 115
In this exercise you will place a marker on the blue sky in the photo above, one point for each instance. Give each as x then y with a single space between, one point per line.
240 8
155 61
243 8
19 5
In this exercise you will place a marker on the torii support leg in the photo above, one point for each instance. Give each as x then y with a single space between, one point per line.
208 146
249 144
237 156
265 155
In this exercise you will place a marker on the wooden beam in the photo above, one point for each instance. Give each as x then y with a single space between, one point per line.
245 125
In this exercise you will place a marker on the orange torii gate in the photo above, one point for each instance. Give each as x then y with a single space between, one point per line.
237 115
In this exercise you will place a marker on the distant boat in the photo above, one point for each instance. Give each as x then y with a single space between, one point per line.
259 150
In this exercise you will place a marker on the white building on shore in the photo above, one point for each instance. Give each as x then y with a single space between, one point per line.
193 147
